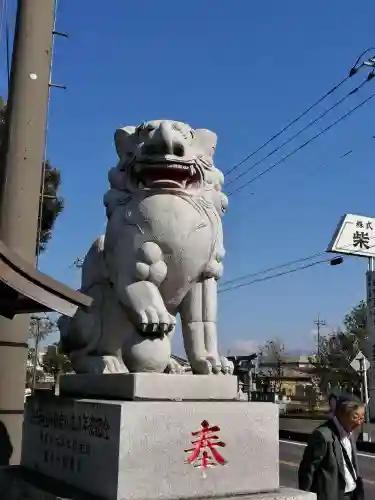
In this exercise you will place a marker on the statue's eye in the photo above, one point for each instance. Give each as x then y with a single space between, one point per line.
145 128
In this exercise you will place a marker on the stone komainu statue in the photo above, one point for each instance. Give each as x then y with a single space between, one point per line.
161 256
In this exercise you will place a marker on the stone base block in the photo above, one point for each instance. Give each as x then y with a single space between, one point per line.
138 449
150 386
18 484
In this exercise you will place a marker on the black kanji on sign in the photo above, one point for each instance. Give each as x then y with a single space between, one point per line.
369 225
359 223
361 240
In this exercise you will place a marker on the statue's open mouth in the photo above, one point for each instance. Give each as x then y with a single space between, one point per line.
166 173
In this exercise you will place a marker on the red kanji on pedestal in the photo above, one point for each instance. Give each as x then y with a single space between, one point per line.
204 453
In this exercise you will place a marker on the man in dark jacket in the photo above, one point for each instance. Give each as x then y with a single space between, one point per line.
329 466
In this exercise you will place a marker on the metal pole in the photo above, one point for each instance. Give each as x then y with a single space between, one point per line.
36 347
365 435
319 322
21 163
371 390
365 390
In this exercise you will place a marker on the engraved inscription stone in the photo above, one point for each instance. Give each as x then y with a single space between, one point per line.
70 440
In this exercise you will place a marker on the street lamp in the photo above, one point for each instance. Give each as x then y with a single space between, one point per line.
336 261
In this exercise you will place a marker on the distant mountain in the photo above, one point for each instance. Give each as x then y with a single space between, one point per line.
299 352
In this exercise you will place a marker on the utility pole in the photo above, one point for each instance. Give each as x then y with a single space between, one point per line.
319 323
21 168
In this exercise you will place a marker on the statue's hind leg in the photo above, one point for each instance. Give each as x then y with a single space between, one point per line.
92 339
198 319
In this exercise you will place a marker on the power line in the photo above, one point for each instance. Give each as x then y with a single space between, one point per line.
352 72
7 41
327 165
274 268
266 278
250 155
310 124
3 10
306 143
319 323
233 284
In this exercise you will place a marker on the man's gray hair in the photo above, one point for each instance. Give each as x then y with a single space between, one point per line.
348 404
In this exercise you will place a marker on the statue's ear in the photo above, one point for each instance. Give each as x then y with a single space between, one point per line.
124 141
207 140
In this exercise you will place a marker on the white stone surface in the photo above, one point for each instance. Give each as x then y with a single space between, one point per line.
161 256
15 487
15 484
150 386
136 450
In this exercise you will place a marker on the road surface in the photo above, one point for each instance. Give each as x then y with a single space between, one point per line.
291 455
307 425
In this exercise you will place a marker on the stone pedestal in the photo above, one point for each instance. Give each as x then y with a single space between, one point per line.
150 387
138 448
18 484
121 450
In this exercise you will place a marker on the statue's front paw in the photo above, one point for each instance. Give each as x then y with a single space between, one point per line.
156 321
147 309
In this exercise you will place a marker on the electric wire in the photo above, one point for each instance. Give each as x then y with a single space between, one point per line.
310 124
277 275
355 68
319 168
303 145
7 41
43 174
234 285
2 17
275 136
273 268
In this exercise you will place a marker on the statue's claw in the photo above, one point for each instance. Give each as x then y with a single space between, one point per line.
212 365
150 315
156 321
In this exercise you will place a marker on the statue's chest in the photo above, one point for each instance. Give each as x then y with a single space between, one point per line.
173 221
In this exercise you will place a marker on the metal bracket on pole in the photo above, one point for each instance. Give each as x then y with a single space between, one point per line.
58 86
59 33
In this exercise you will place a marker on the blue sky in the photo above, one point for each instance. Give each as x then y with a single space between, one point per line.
243 69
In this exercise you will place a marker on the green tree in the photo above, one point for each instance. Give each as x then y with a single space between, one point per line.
336 351
331 367
355 324
53 203
271 359
55 362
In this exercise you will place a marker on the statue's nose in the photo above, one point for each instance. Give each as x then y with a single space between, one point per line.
165 141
